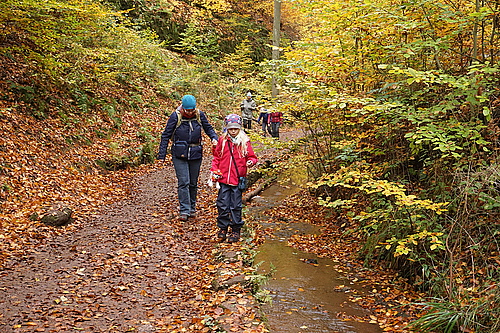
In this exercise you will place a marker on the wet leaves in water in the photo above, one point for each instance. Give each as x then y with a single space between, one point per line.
386 289
313 262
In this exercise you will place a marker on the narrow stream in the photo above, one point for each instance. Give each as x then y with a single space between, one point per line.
307 292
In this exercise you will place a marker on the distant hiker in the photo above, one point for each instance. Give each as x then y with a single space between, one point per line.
264 121
184 130
276 119
247 107
232 156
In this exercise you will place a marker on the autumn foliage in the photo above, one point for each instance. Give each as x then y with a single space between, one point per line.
401 104
398 102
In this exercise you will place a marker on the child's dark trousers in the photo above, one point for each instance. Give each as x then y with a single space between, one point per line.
229 204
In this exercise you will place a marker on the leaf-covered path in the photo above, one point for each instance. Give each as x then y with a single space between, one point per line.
132 267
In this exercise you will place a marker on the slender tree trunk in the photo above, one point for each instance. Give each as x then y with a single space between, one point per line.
276 42
494 25
483 37
474 35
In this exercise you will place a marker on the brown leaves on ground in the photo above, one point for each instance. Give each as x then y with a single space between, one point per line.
48 161
133 266
127 263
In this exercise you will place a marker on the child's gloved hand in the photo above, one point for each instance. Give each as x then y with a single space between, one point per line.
249 163
216 175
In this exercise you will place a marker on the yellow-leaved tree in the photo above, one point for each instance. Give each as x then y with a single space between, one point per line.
400 102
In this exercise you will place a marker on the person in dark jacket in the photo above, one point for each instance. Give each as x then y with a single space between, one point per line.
264 121
184 129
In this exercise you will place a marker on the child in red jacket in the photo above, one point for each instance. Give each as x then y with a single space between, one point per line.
232 156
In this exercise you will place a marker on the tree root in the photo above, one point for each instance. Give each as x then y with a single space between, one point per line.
249 196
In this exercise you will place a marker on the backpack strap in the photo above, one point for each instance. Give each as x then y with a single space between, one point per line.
180 120
232 156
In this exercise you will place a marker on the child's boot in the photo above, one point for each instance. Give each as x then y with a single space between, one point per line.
221 236
234 236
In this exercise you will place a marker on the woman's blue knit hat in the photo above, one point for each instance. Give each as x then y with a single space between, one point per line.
188 102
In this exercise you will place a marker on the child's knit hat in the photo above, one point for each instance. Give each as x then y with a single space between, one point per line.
233 121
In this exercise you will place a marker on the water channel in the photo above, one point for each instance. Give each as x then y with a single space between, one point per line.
305 297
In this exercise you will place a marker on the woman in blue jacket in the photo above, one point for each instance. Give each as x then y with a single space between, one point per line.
184 130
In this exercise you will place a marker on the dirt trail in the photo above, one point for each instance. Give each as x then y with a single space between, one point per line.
133 267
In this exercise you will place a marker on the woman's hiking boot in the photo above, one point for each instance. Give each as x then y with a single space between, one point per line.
183 217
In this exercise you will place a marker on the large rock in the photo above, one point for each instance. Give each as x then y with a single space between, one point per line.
57 216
